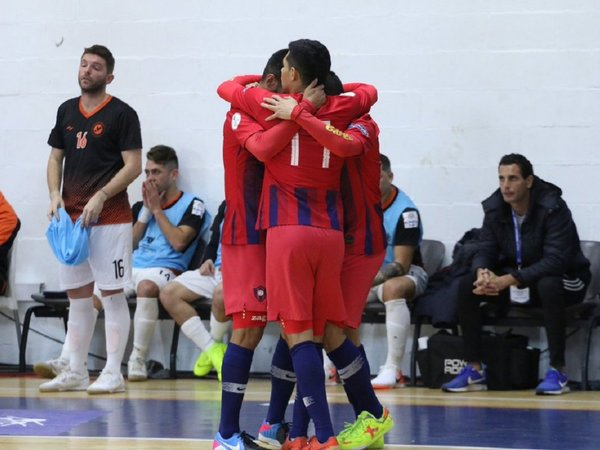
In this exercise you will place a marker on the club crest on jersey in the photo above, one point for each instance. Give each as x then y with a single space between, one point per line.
260 293
98 129
235 121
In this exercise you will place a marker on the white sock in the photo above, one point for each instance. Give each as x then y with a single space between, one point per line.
218 329
397 325
144 322
195 330
80 332
117 322
65 352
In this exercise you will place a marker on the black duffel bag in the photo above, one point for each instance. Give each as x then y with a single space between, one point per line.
510 363
442 360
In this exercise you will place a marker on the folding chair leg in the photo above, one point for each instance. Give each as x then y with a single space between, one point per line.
173 356
592 323
415 349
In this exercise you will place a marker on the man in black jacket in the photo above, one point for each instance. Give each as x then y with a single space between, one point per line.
529 253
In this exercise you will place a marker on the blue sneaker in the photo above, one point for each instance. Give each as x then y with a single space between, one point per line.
468 380
554 383
273 435
239 441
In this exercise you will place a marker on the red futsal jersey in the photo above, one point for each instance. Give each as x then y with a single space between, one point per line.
243 182
363 216
302 182
92 144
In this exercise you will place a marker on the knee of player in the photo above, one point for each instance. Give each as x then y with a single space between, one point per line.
398 287
147 288
247 337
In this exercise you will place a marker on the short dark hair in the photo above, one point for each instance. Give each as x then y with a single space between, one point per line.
163 155
102 52
386 166
519 160
274 64
333 84
311 59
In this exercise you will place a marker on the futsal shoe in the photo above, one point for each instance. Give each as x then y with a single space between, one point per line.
203 365
554 383
377 444
136 369
367 430
51 368
67 381
468 380
239 441
107 383
216 353
314 444
389 377
297 443
273 435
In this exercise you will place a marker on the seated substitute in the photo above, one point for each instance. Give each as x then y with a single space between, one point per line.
401 277
206 281
165 237
529 253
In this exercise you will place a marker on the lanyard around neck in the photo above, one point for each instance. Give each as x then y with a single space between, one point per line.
518 249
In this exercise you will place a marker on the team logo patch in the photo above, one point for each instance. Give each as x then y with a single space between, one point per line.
260 293
411 219
98 129
349 239
361 128
235 121
198 208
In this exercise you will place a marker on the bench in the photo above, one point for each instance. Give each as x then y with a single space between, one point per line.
582 316
56 304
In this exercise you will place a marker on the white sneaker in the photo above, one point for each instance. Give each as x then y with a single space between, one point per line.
136 370
107 383
67 381
389 378
51 368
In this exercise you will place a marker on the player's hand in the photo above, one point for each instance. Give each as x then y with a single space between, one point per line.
207 268
315 94
93 208
282 107
151 196
56 201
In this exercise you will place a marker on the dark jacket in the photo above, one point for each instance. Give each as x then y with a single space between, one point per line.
549 238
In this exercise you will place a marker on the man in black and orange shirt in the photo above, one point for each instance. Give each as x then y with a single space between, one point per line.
96 151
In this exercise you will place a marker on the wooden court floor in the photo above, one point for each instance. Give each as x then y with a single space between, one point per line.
184 414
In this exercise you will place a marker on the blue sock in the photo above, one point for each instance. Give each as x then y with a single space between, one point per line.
351 367
301 419
235 374
311 385
283 380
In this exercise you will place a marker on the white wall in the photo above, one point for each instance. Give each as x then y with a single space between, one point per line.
461 82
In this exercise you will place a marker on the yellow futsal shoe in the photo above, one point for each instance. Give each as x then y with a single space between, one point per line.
377 444
203 365
366 432
216 353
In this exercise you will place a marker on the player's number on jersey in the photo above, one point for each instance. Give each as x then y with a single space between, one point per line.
295 158
119 269
81 139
